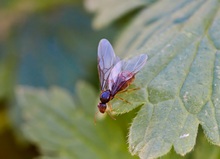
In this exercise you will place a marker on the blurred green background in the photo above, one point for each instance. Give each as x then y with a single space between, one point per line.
52 43
42 44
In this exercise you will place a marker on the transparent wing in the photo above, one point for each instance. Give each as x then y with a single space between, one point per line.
135 64
113 77
123 71
106 60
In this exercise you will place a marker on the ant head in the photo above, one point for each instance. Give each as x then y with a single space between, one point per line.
102 107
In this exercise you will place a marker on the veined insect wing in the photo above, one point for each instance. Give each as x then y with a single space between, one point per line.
124 71
106 61
115 75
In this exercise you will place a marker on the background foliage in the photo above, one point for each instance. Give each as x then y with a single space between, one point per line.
49 83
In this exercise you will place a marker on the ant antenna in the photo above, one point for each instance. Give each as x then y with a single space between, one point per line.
95 117
109 113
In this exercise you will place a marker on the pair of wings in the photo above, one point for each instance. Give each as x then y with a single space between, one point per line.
113 72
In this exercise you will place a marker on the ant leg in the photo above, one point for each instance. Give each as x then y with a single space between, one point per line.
123 99
110 114
110 106
108 111
129 90
95 116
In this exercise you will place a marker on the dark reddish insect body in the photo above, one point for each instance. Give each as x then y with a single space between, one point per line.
108 95
115 75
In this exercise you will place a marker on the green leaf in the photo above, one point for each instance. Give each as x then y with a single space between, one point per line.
180 84
203 150
64 128
112 9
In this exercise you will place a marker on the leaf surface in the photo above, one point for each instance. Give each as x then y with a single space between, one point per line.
180 84
112 9
63 127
